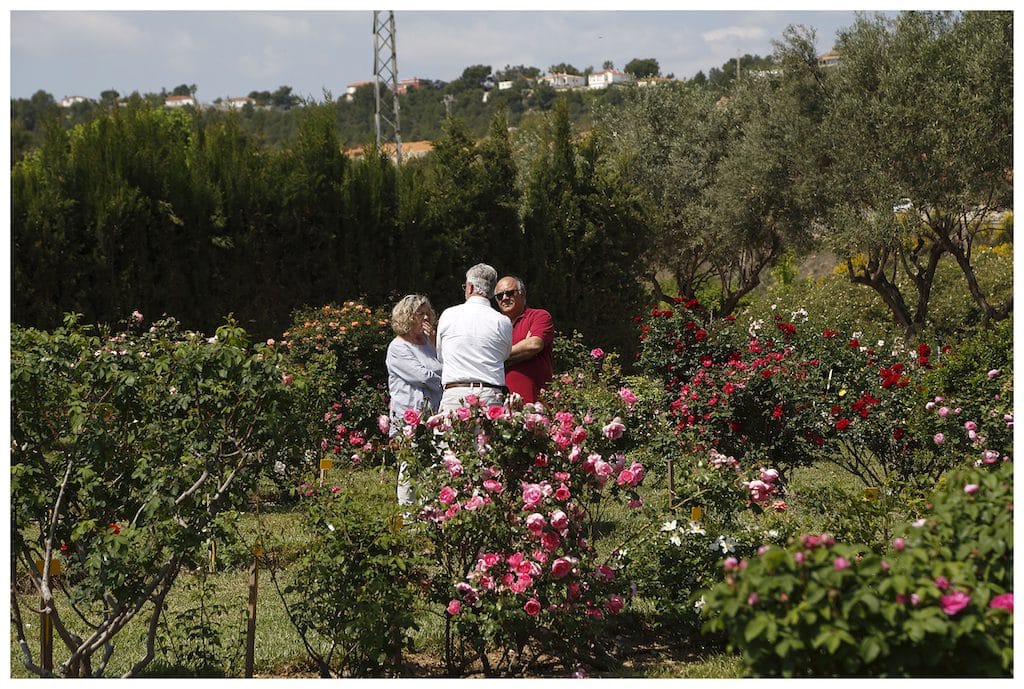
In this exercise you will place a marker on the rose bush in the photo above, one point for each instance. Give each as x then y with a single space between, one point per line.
940 594
511 501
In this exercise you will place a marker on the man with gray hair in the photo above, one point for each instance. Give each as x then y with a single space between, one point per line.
473 342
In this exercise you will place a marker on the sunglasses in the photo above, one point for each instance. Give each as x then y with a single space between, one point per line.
507 294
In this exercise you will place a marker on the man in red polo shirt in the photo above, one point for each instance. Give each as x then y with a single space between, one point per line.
528 368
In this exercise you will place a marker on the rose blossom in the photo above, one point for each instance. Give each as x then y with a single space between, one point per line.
550 541
769 475
454 607
495 412
286 379
532 607
411 416
493 486
447 495
993 373
1004 601
615 603
627 396
562 493
971 488
535 523
384 423
898 544
952 603
840 563
597 353
614 429
561 567
753 599
939 438
532 494
559 520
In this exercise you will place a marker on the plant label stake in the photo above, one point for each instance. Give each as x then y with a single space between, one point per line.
325 465
250 631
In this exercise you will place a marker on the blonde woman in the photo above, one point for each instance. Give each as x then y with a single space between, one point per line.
414 373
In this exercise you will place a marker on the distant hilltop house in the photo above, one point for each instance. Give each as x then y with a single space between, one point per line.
179 101
403 87
239 102
560 80
829 59
607 77
653 81
68 101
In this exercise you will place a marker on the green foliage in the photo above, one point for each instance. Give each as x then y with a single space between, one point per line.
191 639
126 448
821 608
353 592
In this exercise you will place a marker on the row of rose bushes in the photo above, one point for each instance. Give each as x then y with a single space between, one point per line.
515 505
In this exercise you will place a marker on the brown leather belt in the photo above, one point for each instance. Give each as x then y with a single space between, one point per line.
449 386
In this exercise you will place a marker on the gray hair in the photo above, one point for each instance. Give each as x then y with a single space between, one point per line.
520 285
402 313
482 279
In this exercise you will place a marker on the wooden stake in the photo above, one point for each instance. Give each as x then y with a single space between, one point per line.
250 631
46 621
671 485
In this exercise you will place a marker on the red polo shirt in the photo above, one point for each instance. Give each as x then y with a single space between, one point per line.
529 377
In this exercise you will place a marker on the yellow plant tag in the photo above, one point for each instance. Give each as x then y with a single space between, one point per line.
871 493
326 463
695 514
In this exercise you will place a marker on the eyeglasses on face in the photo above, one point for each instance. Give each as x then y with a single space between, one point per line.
507 294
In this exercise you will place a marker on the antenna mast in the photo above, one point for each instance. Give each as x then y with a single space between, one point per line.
385 74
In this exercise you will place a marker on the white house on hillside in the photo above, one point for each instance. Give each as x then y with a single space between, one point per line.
607 77
564 81
68 101
239 102
179 101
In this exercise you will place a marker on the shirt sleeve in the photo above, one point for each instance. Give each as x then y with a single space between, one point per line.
543 326
403 363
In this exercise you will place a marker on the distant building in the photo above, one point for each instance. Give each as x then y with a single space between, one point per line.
179 101
503 85
653 81
829 59
403 87
239 102
350 91
607 77
68 101
564 81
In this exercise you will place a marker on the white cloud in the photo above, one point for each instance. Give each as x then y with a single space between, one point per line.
733 34
279 26
43 32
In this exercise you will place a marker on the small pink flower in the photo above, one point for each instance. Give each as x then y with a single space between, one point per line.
1004 601
463 413
559 520
411 417
840 563
769 475
954 602
562 567
447 495
384 423
614 429
993 373
532 607
493 486
496 411
286 379
799 557
898 544
597 353
942 583
550 541
635 503
562 493
615 604
627 396
472 400
943 411
626 478
535 523
970 425
971 488
454 607
939 438
270 340
729 564
753 599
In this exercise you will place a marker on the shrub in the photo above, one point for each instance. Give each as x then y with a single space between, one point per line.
513 503
126 449
940 595
352 593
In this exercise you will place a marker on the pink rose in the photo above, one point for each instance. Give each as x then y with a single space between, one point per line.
472 400
898 544
532 494
495 412
493 486
729 564
753 599
1004 601
615 604
532 607
411 416
970 425
971 488
942 583
597 353
286 379
954 602
769 475
627 396
939 438
605 573
561 567
463 413
559 520
840 563
614 429
384 423
562 493
454 607
535 523
626 478
447 495
550 541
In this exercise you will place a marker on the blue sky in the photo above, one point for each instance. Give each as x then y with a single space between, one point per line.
226 52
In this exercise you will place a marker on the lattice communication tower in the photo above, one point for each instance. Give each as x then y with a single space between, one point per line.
385 81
